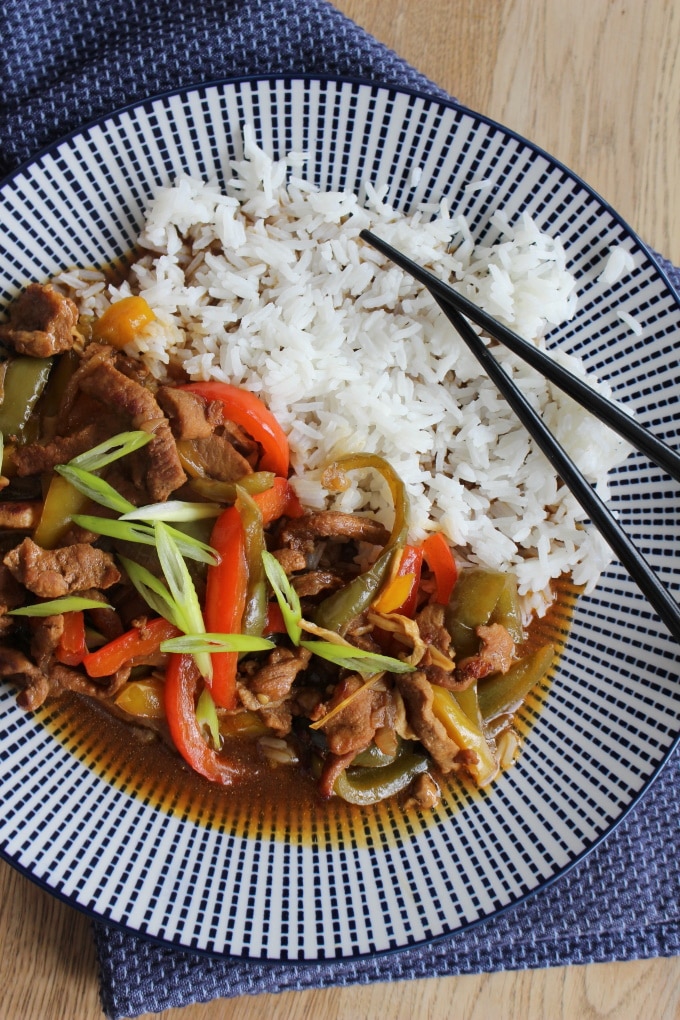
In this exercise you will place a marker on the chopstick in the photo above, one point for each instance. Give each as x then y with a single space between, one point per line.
617 419
596 509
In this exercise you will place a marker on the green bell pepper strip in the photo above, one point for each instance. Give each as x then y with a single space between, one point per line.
225 492
255 609
482 597
339 609
371 785
24 382
502 694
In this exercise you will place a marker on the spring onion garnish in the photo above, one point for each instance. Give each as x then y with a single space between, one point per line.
359 660
153 591
191 643
95 488
286 596
137 531
206 717
65 604
173 510
111 449
182 590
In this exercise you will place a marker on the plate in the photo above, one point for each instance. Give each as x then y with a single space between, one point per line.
168 860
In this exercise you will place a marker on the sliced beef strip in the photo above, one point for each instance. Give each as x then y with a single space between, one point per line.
46 633
36 458
98 377
430 622
354 727
315 581
302 532
275 679
495 655
12 593
191 415
50 573
221 458
38 685
42 322
417 693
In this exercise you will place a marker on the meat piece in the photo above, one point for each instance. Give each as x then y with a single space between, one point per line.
241 441
221 459
353 728
46 633
495 655
279 718
302 532
334 766
430 622
272 683
20 515
316 581
423 794
291 560
35 458
191 416
42 322
50 573
12 594
98 377
417 693
16 666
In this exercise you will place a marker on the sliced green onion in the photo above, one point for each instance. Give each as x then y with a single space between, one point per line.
153 591
286 596
137 531
95 488
111 449
173 510
191 643
206 717
357 659
182 590
67 604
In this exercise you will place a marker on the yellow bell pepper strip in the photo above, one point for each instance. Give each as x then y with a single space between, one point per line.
439 559
228 580
502 694
137 643
248 411
401 594
71 648
62 501
371 785
25 380
339 609
181 686
466 733
143 698
123 321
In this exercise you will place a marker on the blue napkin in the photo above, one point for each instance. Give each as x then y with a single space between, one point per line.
68 61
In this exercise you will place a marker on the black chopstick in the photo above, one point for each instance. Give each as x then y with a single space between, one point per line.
655 449
598 512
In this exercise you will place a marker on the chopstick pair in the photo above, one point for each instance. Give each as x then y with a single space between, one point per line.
453 306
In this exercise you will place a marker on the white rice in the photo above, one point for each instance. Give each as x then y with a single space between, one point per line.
267 285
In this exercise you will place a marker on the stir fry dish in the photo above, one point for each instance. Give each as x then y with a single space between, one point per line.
156 558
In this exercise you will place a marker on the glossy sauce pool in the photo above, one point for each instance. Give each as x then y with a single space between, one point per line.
280 802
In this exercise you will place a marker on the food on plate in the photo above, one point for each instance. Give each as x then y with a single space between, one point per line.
258 500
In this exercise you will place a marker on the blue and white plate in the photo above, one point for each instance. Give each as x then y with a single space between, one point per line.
164 857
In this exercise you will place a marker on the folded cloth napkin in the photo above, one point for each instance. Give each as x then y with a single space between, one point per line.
68 61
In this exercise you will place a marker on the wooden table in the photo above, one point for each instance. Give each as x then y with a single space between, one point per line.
597 84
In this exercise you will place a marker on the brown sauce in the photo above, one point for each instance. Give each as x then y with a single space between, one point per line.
277 801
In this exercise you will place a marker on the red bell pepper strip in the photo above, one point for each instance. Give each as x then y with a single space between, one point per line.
133 644
248 411
439 559
71 648
411 563
228 580
181 682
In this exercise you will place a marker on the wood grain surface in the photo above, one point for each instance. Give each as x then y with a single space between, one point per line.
597 84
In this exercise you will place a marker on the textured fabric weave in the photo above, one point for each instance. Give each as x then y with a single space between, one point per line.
69 61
